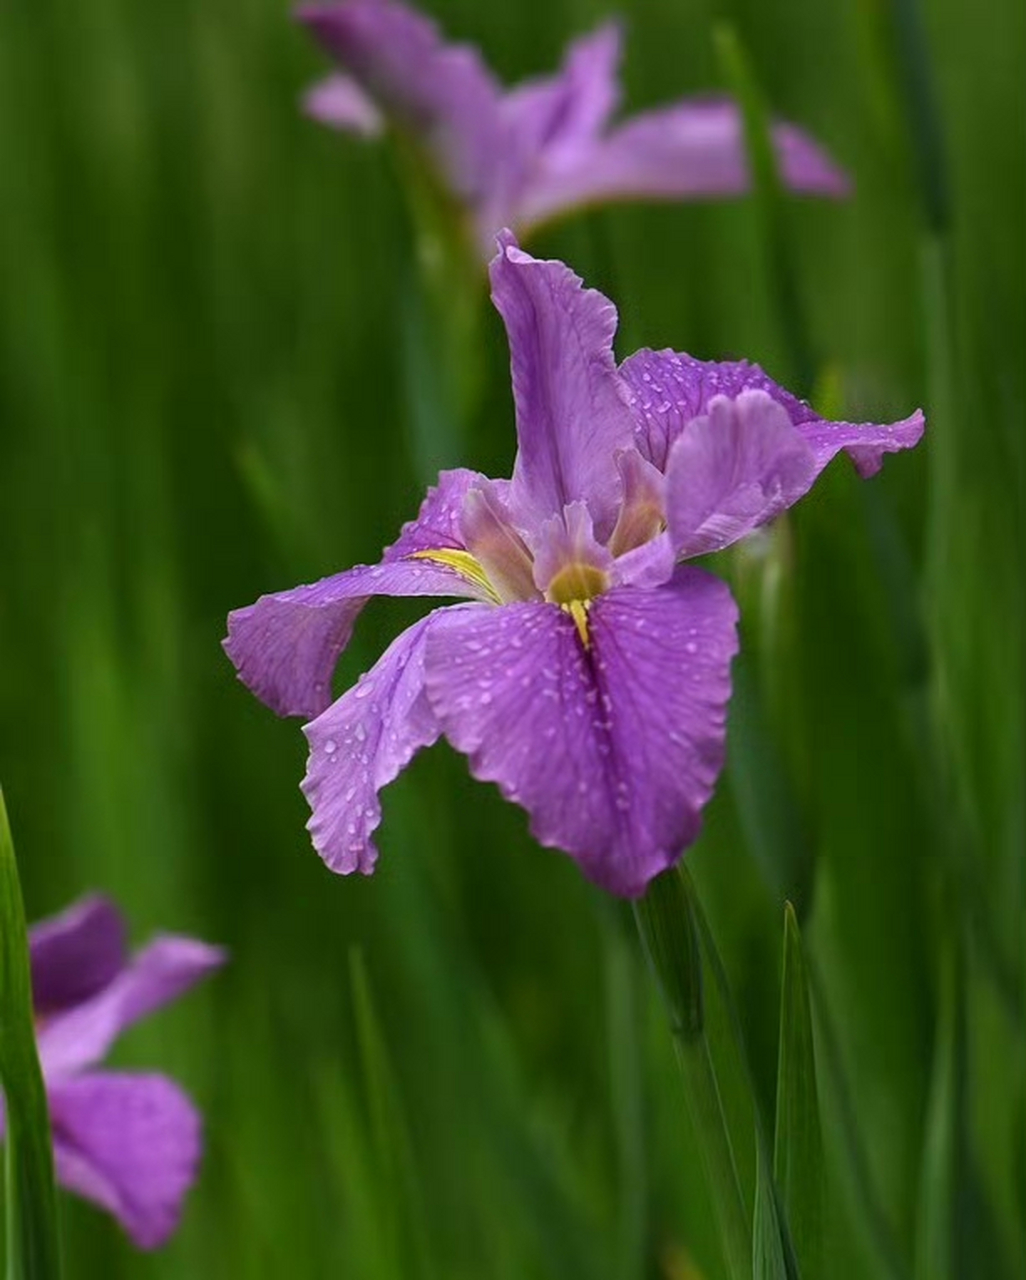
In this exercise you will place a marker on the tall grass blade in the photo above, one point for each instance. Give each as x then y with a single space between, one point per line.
33 1243
768 193
389 1131
669 933
798 1145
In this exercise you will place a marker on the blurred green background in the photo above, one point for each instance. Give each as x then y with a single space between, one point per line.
458 1068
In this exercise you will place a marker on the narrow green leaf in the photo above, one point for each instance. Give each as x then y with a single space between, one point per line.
33 1245
771 1246
879 1235
441 318
626 1077
798 1145
769 199
944 1240
767 1247
389 1132
669 933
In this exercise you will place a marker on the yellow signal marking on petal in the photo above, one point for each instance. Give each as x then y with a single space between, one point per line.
466 565
578 610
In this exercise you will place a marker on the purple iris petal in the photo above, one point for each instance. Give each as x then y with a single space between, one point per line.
733 469
591 676
75 954
691 150
286 645
612 749
523 156
156 975
491 538
646 566
360 744
338 100
864 442
571 416
556 115
131 1144
441 94
667 390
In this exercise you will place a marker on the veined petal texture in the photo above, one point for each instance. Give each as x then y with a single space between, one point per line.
733 469
667 390
570 411
361 743
612 748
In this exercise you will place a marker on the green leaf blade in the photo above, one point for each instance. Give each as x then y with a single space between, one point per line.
798 1144
33 1245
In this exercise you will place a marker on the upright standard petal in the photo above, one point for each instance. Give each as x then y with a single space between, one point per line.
692 150
555 116
286 645
338 100
157 974
360 744
612 747
442 94
733 469
131 1144
75 954
570 413
668 389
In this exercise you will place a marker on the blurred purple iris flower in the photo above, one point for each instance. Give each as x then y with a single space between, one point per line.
590 674
128 1141
523 156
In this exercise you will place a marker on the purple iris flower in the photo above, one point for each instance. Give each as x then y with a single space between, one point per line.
128 1141
523 156
589 674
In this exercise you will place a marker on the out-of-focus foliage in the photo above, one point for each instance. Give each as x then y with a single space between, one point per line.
209 372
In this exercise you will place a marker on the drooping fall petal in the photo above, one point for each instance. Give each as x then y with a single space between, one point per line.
360 744
612 748
130 1143
286 645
